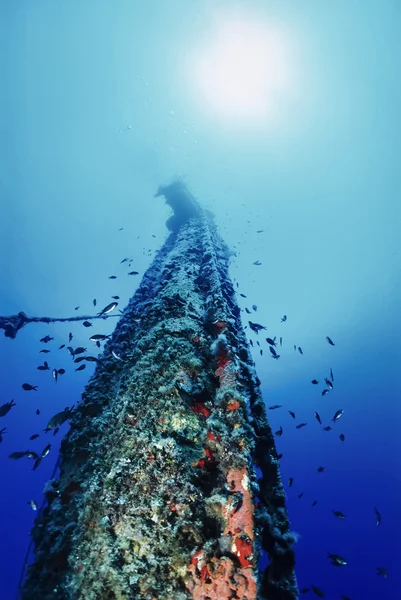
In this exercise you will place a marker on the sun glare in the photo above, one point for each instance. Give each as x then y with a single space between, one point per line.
243 70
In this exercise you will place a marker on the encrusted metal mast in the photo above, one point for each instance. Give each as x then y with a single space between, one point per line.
158 496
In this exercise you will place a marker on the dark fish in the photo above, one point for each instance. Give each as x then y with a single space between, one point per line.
318 419
5 408
248 312
2 432
300 495
34 436
76 308
79 350
255 308
31 454
124 260
116 297
330 341
70 336
44 351
272 350
37 463
97 337
17 455
342 437
320 469
98 344
328 383
314 503
113 277
79 359
94 301
283 319
255 326
61 371
327 428
381 571
275 406
292 414
317 591
56 430
314 381
61 347
279 456
300 350
251 342
87 324
290 481
279 433
70 350
325 392
242 295
271 341
281 341
121 228
59 418
301 425
261 352
295 348
260 231
91 358
337 415
338 514
257 263
46 450
37 411
258 343
46 339
304 590
133 273
44 367
108 308
28 387
378 517
81 368
336 560
331 375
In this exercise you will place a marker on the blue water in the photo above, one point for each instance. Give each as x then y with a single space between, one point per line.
102 103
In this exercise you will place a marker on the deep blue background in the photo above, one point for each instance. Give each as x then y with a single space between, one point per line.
100 104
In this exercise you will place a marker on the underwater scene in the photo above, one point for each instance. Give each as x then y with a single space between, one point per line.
199 304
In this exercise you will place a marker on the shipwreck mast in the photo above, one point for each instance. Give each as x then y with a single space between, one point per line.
158 496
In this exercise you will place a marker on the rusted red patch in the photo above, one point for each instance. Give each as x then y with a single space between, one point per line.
200 409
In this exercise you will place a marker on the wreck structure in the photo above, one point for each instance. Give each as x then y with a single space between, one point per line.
169 485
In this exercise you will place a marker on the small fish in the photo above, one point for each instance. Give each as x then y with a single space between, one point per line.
76 308
327 428
28 387
97 337
317 417
91 358
301 425
275 406
121 228
255 326
55 375
290 481
300 350
124 260
44 367
113 277
304 590
116 297
44 351
281 341
108 308
2 432
133 273
17 455
292 414
248 312
328 383
61 371
37 411
314 381
254 307
33 504
79 359
243 296
260 231
320 469
279 456
81 368
330 341
34 436
378 517
79 350
381 571
284 318
56 430
300 495
314 503
5 408
87 324
325 392
272 350
37 463
46 450
46 339
98 344
342 437
70 351
94 301
336 560
251 342
331 375
61 347
338 514
295 348
70 336
59 418
337 415
271 341
257 263
261 352
279 433
317 591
